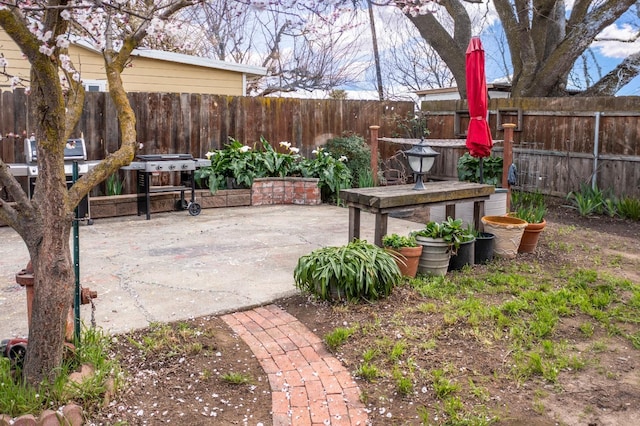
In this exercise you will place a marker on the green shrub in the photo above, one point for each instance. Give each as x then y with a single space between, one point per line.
469 169
358 270
358 155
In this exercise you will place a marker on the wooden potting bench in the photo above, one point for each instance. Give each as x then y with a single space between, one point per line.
382 200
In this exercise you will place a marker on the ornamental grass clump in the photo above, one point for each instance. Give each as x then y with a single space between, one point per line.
356 271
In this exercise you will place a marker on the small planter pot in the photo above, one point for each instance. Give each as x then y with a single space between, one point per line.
483 248
407 259
464 256
530 237
508 234
435 256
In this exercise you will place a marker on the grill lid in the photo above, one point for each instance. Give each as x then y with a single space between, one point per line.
164 157
74 149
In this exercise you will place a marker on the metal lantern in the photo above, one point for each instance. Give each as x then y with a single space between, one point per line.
421 158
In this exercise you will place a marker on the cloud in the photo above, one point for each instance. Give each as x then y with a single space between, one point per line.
615 41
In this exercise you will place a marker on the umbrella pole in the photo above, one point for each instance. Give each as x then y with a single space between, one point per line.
481 169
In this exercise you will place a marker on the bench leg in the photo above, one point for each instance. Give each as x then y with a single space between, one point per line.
478 212
354 223
450 211
381 228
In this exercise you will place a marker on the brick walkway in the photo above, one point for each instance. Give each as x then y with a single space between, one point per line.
308 385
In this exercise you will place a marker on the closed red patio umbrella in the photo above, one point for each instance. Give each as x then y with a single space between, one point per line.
479 139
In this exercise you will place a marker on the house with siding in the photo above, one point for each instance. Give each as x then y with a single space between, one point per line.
148 71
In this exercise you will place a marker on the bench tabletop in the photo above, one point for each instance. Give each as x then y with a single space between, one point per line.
385 197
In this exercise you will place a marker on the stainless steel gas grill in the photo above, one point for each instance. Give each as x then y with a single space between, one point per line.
75 150
147 165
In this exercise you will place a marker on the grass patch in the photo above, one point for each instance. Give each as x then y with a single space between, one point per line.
338 337
236 378
16 398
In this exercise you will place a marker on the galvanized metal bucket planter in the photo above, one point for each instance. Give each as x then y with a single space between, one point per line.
435 256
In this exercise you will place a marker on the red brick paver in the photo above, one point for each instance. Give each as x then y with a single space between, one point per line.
308 385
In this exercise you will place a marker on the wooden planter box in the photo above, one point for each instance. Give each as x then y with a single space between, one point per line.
126 205
265 191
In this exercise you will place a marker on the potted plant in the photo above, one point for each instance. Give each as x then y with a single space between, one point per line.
406 252
439 240
465 254
531 208
358 270
483 246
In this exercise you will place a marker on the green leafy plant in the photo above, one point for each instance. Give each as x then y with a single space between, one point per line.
592 200
469 169
271 163
528 206
242 164
333 174
395 241
368 371
114 184
404 385
235 161
358 270
629 208
450 230
358 155
365 179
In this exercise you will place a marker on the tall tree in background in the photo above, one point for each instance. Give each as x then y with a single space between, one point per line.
411 63
545 40
304 45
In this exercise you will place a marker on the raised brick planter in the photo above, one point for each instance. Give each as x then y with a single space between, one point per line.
288 190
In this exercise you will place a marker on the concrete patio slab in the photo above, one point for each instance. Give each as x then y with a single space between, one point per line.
176 266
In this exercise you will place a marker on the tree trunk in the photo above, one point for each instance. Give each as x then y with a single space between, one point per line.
53 297
49 231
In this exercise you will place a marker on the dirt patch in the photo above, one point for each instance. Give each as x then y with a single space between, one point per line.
187 387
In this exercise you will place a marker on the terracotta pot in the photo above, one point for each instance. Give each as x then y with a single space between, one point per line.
508 233
530 237
407 259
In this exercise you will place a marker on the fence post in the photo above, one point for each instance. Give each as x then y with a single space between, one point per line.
507 159
374 153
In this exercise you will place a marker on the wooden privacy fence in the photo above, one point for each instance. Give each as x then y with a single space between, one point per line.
559 143
196 123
